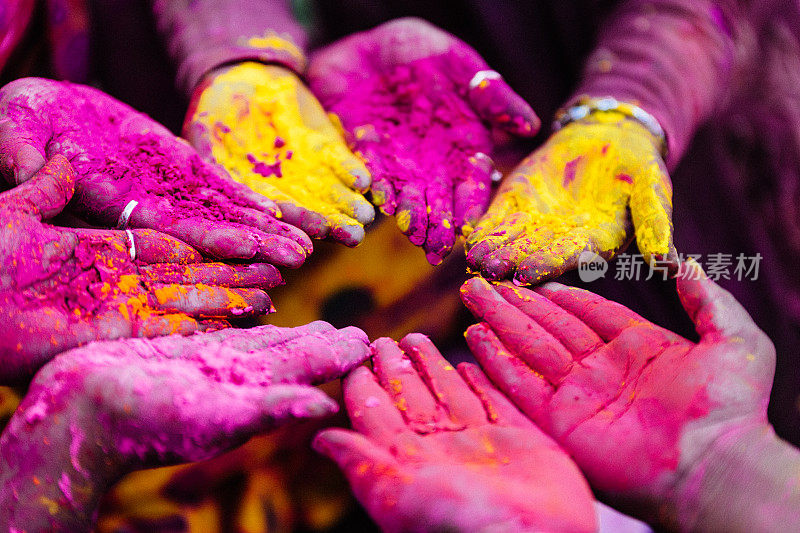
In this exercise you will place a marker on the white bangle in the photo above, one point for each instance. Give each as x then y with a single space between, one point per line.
586 106
122 222
482 76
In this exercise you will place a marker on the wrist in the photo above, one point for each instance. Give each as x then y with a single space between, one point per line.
609 110
746 480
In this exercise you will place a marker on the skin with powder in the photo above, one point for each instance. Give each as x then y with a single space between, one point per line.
268 131
593 185
63 287
412 106
671 430
120 155
97 412
437 448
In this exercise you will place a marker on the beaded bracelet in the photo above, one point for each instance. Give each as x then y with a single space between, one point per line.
588 105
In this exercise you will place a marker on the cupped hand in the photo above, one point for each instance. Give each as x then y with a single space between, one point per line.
264 126
635 405
121 156
587 189
437 448
418 104
99 411
63 287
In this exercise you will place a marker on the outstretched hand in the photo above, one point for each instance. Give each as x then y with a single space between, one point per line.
265 127
121 156
589 188
97 412
418 104
63 287
440 449
635 405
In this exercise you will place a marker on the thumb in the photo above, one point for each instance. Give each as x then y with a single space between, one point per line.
46 193
715 312
497 103
651 210
361 459
281 404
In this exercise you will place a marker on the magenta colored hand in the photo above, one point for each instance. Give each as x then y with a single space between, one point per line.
635 405
440 449
121 155
411 99
63 287
97 412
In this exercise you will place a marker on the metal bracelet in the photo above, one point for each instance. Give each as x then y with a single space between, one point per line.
586 106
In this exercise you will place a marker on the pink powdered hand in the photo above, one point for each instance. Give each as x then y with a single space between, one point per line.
121 156
100 411
440 449
638 407
63 287
418 105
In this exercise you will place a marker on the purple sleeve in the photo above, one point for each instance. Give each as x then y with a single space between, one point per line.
674 58
204 34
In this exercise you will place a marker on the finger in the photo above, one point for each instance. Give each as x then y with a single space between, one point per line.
606 318
503 261
207 301
382 195
651 210
529 391
315 358
485 240
498 104
573 334
345 230
397 375
349 203
361 460
46 193
441 233
257 275
262 337
348 168
554 258
22 150
715 312
443 381
411 214
281 404
218 238
372 411
270 225
314 224
519 332
382 191
471 194
155 247
499 409
150 325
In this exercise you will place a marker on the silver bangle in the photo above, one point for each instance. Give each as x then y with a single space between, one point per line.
132 247
482 76
586 106
125 216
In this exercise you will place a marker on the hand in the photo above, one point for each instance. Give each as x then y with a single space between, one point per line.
408 96
120 155
63 287
437 449
100 411
582 191
266 128
635 405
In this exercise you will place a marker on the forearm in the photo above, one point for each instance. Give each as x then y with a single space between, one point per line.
674 58
204 34
53 470
749 481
